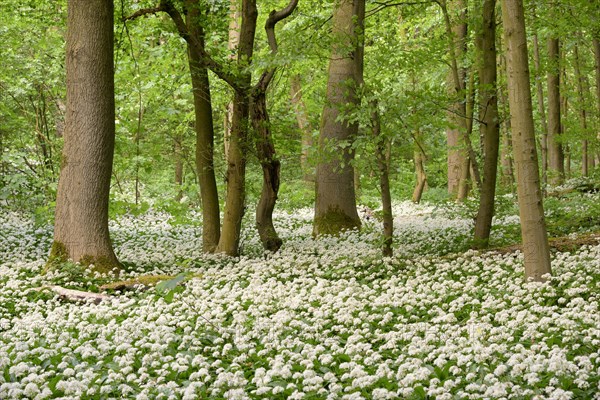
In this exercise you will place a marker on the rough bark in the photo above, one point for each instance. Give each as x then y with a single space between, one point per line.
335 206
211 229
556 168
305 128
533 226
489 125
81 223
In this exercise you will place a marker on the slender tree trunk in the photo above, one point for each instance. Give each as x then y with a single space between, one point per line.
178 167
211 228
419 159
335 206
238 147
581 90
489 126
541 109
232 45
533 226
458 159
556 166
471 169
81 227
508 178
384 181
596 45
304 125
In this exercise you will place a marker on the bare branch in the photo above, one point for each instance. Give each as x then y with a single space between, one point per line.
144 11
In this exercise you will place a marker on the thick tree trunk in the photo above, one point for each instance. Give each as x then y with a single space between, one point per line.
238 147
81 227
335 206
304 125
211 228
533 226
489 126
556 166
232 45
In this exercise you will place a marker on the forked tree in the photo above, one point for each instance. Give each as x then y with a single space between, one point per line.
533 226
81 223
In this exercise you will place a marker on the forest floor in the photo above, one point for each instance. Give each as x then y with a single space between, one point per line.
321 319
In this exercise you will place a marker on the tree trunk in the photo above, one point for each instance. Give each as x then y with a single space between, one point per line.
596 45
304 125
541 109
178 167
582 87
458 159
211 228
489 125
508 178
238 147
419 160
270 166
232 45
335 206
81 227
533 226
556 166
382 145
264 142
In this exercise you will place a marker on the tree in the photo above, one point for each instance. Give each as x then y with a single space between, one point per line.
489 125
531 211
335 206
556 162
81 227
211 223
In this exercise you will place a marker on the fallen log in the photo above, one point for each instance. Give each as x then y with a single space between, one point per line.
76 295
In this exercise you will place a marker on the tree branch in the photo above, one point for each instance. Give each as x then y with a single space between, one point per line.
274 17
144 11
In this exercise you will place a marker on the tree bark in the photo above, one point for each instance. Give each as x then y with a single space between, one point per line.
211 224
596 45
264 143
458 158
556 166
238 147
489 125
232 45
533 226
582 87
384 181
81 223
541 108
335 206
304 125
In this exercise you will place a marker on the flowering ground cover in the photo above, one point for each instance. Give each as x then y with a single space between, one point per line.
326 319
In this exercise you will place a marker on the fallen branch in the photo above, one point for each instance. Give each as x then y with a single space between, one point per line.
76 295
